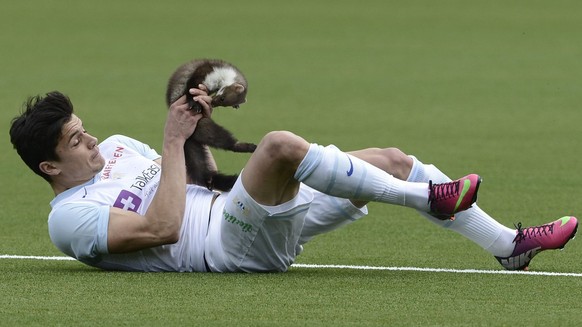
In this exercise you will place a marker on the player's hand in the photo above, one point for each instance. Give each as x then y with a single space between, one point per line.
181 121
201 96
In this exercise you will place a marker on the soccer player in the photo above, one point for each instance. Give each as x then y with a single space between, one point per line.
120 206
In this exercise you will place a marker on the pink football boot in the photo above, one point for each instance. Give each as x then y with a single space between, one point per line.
446 199
533 240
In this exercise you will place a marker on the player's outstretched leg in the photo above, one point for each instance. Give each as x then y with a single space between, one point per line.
533 240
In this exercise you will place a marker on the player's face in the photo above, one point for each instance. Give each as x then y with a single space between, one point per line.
79 157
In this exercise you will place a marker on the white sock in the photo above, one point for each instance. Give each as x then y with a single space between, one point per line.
473 223
331 171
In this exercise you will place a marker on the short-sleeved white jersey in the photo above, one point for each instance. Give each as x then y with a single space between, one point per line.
80 216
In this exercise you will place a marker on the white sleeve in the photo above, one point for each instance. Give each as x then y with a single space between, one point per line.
142 148
80 230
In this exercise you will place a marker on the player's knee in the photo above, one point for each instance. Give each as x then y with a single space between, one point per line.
283 146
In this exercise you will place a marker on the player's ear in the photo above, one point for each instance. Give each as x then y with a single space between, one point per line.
49 168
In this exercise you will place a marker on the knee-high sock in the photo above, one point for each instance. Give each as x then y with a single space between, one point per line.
331 171
473 223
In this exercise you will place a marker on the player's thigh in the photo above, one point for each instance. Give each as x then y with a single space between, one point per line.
268 175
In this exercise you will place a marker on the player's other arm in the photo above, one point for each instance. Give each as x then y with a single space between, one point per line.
128 231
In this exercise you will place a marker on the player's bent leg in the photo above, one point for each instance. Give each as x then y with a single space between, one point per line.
331 171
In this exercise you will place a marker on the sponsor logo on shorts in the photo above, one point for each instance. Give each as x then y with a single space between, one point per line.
242 207
246 227
127 201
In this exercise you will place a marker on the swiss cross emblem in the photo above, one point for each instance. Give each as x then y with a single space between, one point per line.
127 201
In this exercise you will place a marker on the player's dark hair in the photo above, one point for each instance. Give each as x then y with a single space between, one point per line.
36 132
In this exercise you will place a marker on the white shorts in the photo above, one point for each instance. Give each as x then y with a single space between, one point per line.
245 236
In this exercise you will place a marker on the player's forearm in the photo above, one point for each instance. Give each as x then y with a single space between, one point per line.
166 211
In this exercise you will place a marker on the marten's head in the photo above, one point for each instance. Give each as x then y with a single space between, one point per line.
230 96
225 83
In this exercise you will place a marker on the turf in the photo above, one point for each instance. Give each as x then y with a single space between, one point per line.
488 87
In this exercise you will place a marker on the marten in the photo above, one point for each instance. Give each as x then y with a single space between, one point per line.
228 87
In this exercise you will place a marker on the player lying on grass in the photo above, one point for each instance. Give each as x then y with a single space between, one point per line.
119 206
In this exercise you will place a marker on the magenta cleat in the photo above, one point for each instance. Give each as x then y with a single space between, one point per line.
446 199
533 240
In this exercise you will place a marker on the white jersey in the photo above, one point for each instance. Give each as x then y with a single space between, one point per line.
79 218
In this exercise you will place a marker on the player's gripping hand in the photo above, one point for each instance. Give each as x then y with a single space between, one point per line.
181 121
201 96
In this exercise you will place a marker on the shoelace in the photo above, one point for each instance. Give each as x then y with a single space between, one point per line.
443 191
532 231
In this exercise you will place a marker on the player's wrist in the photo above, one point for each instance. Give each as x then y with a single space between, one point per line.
173 144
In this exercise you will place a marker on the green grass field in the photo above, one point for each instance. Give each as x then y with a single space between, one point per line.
487 87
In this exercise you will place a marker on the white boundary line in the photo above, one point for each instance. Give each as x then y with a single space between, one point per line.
314 266
34 257
442 270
